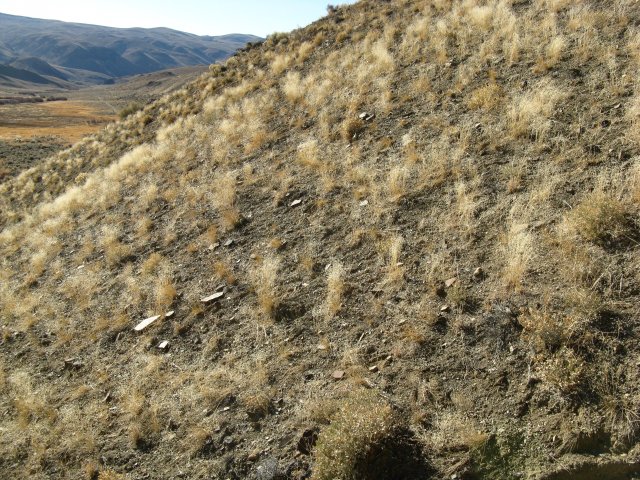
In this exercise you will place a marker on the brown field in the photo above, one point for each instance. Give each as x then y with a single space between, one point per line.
70 120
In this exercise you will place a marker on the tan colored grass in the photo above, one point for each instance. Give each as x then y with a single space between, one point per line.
530 112
335 289
518 247
360 422
265 281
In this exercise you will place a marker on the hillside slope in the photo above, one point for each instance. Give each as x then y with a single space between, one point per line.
399 243
46 46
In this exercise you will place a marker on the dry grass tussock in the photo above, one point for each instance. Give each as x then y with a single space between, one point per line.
424 210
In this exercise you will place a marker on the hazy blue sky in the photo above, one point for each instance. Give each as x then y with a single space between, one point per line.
203 17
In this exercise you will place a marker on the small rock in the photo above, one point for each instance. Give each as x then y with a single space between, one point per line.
363 115
214 246
450 281
338 374
445 308
107 397
307 441
368 383
322 347
268 469
72 363
164 345
402 322
169 314
478 272
373 368
364 203
145 323
228 243
213 297
297 202
253 456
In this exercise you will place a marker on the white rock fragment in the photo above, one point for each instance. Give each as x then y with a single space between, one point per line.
163 345
145 323
364 203
449 282
169 314
213 297
297 202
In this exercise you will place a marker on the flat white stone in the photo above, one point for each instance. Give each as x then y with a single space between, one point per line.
297 202
145 323
163 344
169 314
213 297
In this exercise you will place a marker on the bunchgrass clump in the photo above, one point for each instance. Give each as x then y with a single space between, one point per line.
361 422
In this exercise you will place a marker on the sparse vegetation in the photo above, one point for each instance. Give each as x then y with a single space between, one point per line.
361 422
415 210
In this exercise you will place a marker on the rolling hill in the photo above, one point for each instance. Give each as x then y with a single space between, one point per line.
400 243
90 54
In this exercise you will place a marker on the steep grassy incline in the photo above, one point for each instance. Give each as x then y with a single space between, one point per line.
399 243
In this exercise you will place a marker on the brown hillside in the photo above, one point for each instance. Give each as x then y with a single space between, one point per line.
402 242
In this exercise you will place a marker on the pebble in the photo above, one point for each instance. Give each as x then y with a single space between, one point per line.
145 323
213 297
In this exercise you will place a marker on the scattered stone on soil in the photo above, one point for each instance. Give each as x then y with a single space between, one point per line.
297 202
145 323
212 298
450 282
338 374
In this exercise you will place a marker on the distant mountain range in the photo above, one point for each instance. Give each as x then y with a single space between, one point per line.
64 55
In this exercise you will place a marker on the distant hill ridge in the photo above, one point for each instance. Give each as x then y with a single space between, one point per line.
90 54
